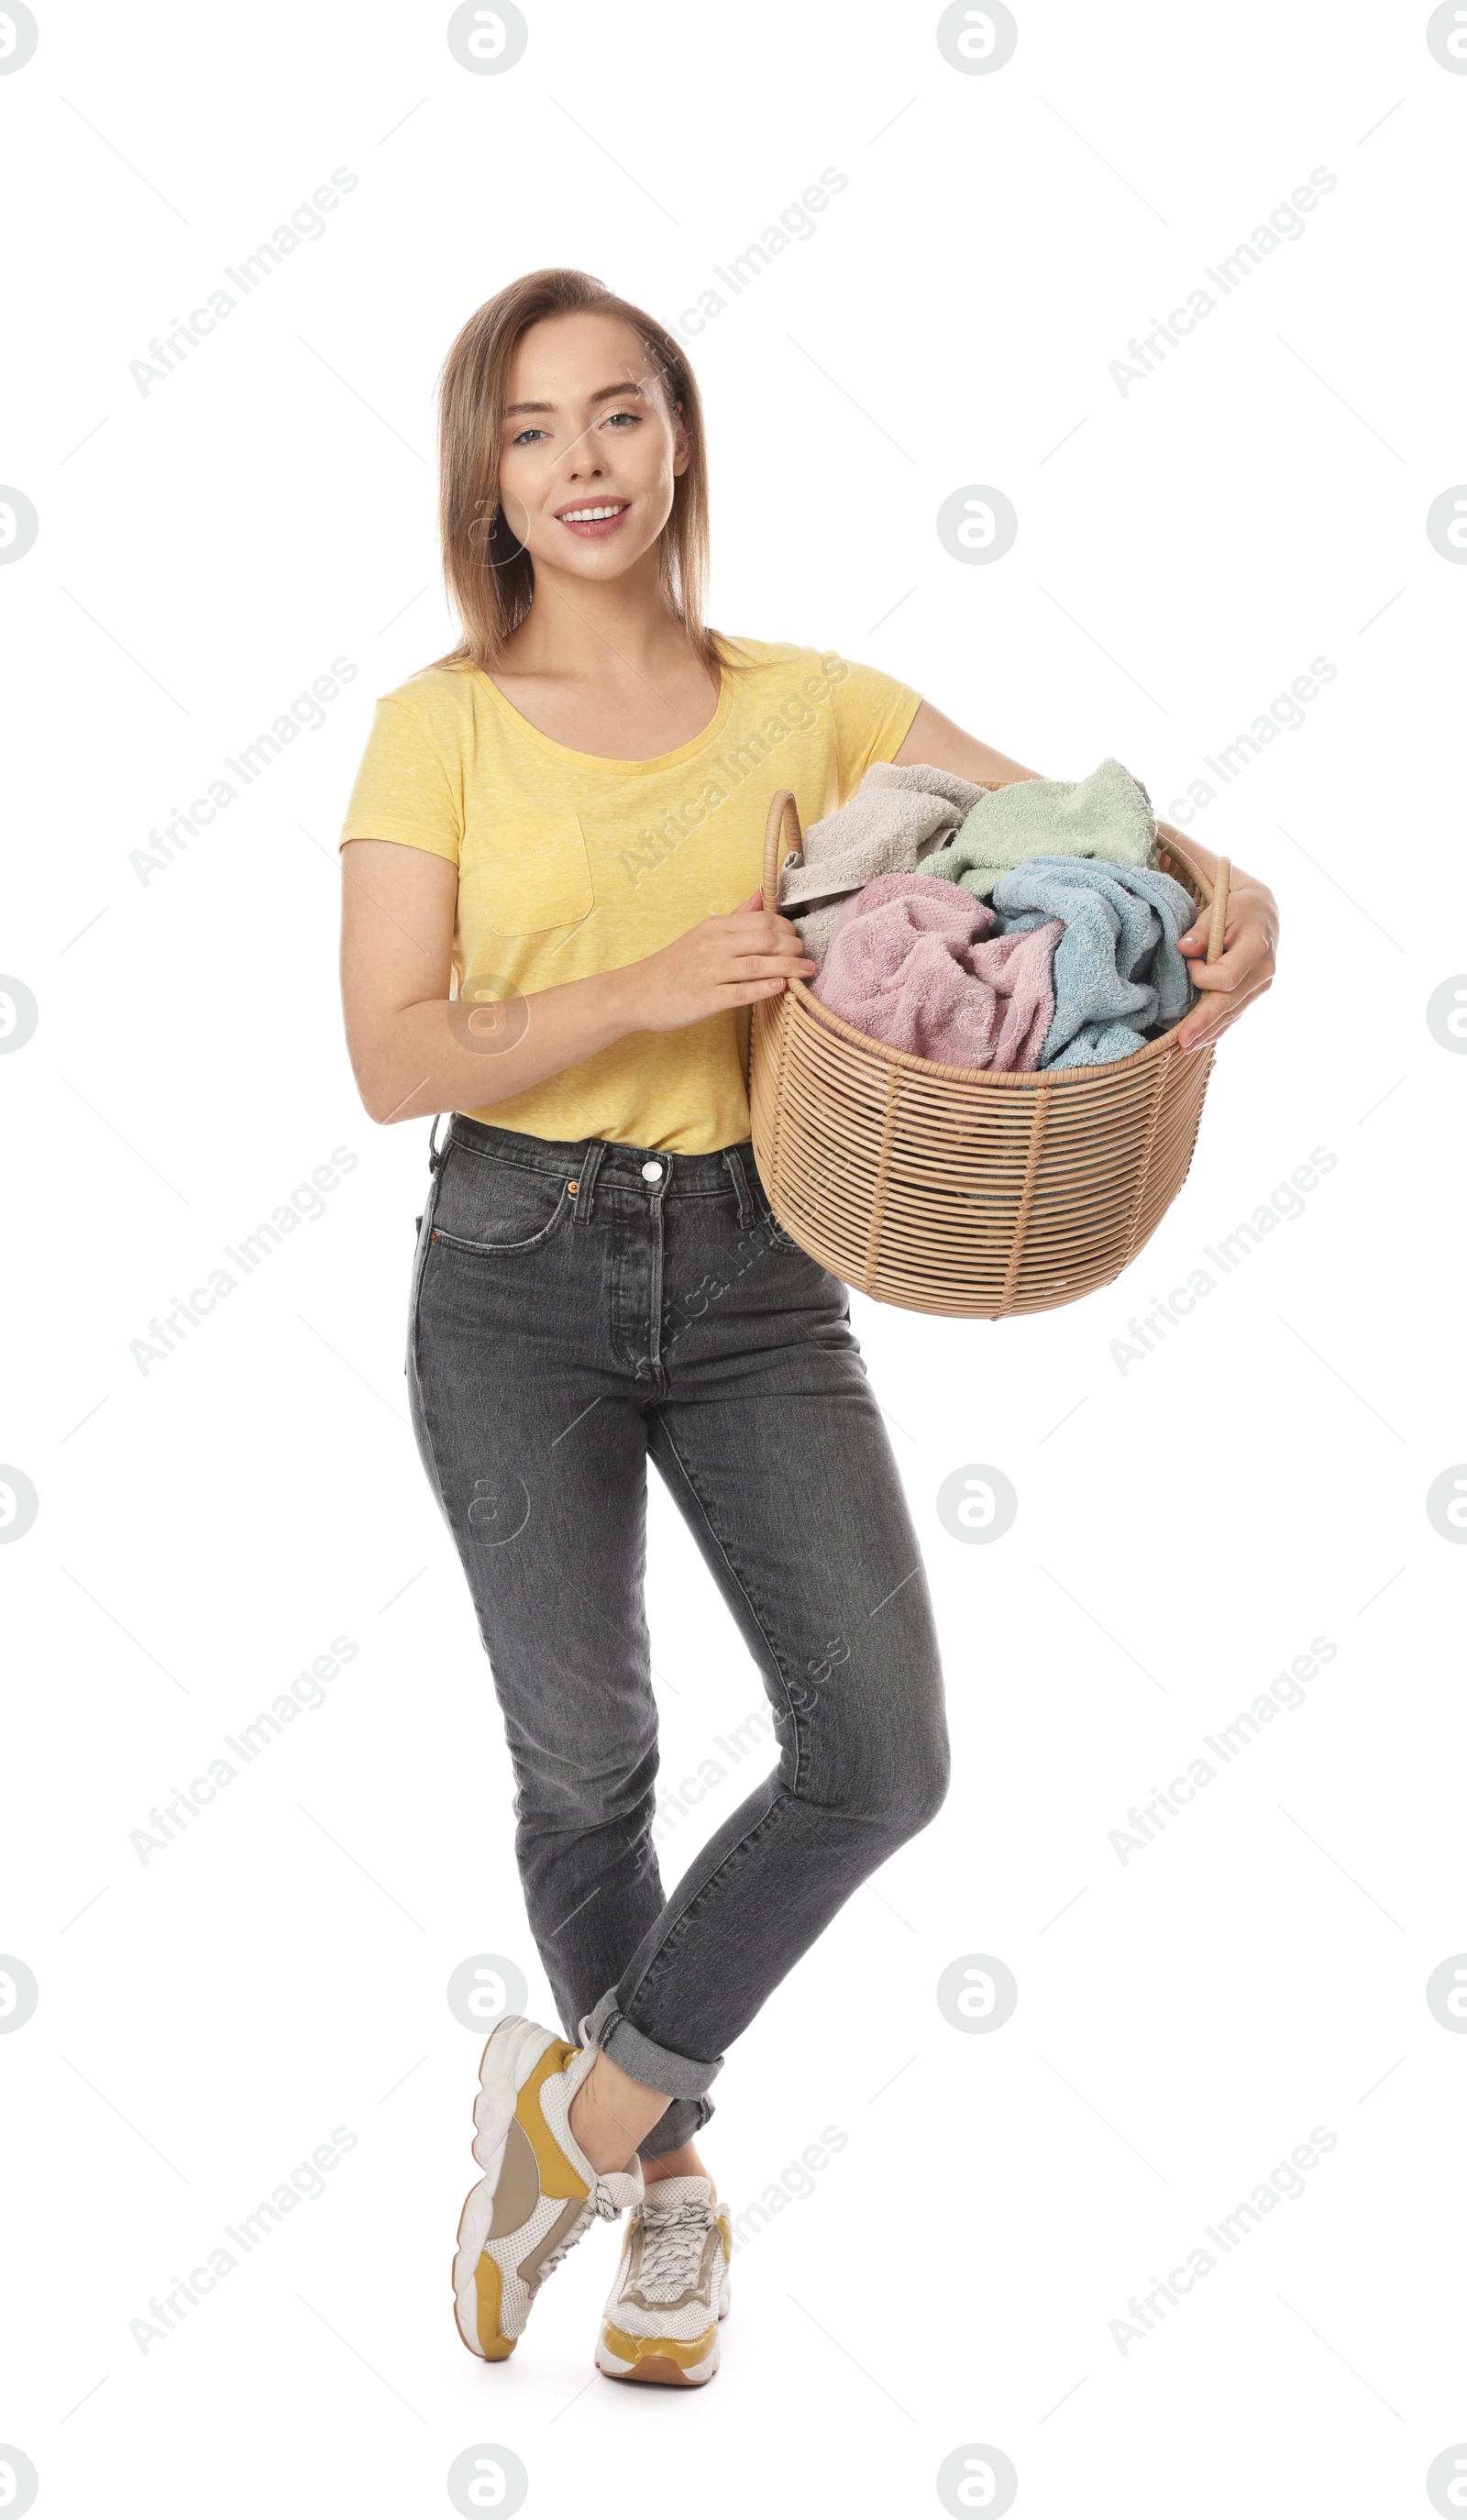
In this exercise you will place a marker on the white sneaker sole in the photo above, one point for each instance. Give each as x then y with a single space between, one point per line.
508 2058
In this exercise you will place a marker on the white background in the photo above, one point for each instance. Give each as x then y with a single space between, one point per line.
1186 1527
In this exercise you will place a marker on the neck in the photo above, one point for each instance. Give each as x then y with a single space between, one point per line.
578 629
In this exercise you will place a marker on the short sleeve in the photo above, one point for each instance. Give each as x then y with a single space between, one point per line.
873 714
406 789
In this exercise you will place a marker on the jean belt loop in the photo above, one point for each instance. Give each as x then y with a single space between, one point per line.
736 1175
435 1157
591 1164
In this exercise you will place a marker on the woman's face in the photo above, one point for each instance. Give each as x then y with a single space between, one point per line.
591 448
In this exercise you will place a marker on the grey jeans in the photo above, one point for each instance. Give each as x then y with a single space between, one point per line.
574 1308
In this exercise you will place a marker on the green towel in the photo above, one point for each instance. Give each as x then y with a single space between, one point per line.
1105 816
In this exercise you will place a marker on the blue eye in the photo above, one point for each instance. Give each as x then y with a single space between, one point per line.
633 416
526 436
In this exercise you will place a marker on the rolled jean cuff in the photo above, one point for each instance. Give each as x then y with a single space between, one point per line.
679 2123
683 2078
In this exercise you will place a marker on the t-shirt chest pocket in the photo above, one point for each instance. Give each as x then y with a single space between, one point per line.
528 872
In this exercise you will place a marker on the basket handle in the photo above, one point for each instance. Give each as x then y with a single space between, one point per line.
783 816
1220 882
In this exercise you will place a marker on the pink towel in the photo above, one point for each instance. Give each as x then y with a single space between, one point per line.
915 962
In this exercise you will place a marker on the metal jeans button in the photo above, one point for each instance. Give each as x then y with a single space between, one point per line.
651 1172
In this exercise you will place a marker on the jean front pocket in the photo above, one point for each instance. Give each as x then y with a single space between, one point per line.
780 1240
493 1208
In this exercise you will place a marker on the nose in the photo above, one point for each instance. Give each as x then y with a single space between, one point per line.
583 456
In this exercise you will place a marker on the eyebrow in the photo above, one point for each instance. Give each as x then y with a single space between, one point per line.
603 393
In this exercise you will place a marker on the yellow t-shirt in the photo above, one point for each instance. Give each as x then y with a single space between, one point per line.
569 864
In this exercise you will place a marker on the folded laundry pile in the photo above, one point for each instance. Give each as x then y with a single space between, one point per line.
1105 816
894 818
918 964
1075 964
1118 974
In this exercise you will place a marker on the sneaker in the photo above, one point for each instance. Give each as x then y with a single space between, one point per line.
670 2289
539 2193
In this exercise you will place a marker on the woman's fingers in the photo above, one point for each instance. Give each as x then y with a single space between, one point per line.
737 947
1240 935
1247 959
744 992
1232 970
1216 1013
771 924
759 966
1243 971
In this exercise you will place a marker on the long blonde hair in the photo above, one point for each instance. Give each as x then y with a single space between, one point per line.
489 573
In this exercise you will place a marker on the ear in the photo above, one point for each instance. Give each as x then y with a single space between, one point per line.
682 449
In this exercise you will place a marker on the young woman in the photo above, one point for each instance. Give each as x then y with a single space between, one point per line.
563 822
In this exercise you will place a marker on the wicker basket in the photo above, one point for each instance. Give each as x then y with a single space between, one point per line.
958 1189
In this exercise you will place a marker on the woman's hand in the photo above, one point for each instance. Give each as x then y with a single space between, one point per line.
725 962
1244 968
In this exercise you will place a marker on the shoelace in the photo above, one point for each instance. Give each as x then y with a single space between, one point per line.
673 2246
604 2207
565 2245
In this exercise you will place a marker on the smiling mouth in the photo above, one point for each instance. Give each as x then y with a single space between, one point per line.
597 518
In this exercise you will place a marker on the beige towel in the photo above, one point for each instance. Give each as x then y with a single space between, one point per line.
898 817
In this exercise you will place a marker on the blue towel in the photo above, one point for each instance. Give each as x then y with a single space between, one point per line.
1119 978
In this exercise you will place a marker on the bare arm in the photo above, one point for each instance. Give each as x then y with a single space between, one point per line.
933 737
415 1050
1245 968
